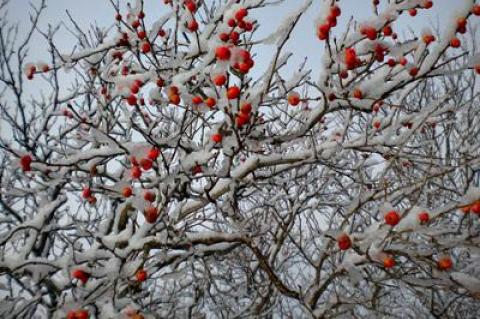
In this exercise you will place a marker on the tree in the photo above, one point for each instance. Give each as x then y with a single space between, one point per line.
170 179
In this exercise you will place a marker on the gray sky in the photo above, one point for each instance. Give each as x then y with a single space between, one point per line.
304 40
303 43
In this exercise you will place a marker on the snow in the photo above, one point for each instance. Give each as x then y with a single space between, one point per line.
111 240
285 186
409 221
287 24
196 158
470 283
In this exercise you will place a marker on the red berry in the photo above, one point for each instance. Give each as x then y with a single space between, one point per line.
219 79
136 172
294 99
149 196
132 100
92 200
135 24
223 53
245 55
153 153
387 31
141 34
335 11
133 161
380 52
413 71
475 208
134 89
103 91
224 37
210 102
427 4
242 119
191 6
246 108
371 33
388 262
146 47
322 35
412 12
351 59
332 21
141 14
477 68
86 193
217 138
391 62
71 314
324 28
243 67
392 218
476 10
376 106
357 93
172 90
127 191
231 23
428 38
233 92
25 162
141 275
461 22
174 99
146 164
242 24
234 36
81 314
423 217
445 263
241 13
151 214
197 169
67 113
377 124
80 275
455 43
343 74
192 25
344 242
32 69
197 99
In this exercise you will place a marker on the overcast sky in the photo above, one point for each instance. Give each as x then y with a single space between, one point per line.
304 41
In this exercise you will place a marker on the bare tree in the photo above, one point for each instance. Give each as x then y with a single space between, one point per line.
156 174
